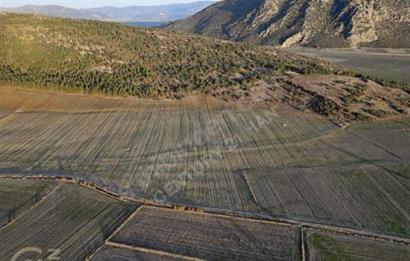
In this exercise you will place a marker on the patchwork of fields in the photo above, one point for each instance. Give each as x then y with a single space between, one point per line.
73 220
209 237
272 163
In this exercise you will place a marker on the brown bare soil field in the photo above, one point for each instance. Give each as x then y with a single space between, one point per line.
253 160
209 237
327 246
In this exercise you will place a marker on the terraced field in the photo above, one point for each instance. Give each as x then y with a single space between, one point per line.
209 237
72 220
328 246
17 196
273 162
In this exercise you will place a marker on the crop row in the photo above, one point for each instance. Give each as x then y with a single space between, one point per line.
277 162
71 221
18 196
209 237
328 246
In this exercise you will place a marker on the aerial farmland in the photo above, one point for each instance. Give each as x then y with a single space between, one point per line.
278 171
127 143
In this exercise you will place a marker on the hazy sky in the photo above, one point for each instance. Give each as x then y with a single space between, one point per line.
89 3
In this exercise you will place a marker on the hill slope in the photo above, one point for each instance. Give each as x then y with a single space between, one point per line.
159 13
111 58
325 23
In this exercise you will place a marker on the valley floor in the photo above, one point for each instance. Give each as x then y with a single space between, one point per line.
274 164
389 64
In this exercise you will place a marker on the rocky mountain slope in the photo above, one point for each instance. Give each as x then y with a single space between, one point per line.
317 23
113 59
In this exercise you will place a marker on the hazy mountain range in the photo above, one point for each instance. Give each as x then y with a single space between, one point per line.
160 13
325 23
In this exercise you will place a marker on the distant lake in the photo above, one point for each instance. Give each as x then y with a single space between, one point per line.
145 24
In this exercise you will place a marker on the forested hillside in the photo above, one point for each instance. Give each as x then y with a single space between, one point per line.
110 58
115 59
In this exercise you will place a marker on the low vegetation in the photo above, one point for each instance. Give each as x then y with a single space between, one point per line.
115 59
17 196
327 246
73 220
388 67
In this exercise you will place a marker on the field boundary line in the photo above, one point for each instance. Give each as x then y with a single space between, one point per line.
250 189
302 244
224 214
132 215
44 198
297 223
356 233
152 251
374 144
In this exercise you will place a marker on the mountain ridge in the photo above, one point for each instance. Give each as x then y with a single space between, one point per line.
158 13
313 23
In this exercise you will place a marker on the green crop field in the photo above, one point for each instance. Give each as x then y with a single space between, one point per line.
72 220
389 66
17 196
327 246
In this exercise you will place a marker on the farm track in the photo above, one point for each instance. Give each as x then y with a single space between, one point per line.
219 213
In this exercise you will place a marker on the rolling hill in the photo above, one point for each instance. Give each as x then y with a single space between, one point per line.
111 58
316 23
159 13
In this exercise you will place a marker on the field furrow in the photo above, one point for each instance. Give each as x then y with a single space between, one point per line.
17 196
209 237
73 220
328 246
272 161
